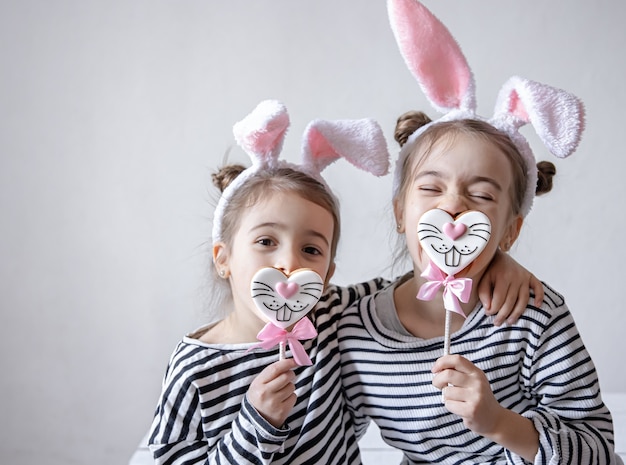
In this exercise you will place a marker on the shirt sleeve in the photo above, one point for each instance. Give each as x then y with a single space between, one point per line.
349 298
351 384
573 423
343 297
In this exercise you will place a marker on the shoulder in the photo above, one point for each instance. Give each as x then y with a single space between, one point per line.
193 362
552 315
189 360
552 298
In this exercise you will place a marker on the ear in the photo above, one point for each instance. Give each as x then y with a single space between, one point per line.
512 233
398 213
220 257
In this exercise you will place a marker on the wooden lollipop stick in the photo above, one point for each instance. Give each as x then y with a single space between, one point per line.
446 335
446 347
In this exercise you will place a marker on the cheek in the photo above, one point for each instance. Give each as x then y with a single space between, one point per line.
418 255
500 231
421 258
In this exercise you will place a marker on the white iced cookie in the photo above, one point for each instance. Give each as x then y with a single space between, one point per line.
284 300
452 244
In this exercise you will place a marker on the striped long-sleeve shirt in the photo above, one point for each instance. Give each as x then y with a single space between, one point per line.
538 367
203 415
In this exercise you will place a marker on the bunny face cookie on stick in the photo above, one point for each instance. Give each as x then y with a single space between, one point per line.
284 301
453 243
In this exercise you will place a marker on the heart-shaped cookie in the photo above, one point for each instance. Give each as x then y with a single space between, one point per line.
452 244
284 300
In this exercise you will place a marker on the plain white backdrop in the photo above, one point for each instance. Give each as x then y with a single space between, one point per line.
113 115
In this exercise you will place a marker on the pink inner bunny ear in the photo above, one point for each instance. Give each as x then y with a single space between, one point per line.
361 142
321 152
557 116
262 132
516 107
432 55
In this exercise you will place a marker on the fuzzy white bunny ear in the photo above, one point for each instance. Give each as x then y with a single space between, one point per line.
361 142
262 132
261 135
557 116
433 56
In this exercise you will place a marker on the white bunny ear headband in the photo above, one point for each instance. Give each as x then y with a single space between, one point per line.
436 61
261 135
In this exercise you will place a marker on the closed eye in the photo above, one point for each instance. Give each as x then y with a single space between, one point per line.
429 189
481 195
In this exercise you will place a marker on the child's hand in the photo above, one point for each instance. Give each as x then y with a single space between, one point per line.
272 393
505 289
467 393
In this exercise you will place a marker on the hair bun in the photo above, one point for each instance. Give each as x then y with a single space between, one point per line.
225 175
545 172
408 123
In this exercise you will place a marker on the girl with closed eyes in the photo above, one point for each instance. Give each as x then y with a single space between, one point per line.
524 393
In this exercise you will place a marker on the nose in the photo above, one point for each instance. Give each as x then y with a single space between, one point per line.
288 261
454 204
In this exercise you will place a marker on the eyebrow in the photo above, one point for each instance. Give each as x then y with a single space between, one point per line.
281 226
475 179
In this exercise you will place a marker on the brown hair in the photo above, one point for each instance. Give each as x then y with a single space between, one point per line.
409 122
263 183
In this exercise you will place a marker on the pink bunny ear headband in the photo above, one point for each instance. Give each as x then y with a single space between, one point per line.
261 135
436 61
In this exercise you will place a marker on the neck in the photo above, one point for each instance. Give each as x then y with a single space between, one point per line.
239 327
242 327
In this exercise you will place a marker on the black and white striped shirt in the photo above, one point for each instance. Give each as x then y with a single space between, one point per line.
203 415
538 367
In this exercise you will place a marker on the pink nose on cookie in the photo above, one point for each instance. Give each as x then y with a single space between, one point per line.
286 290
454 231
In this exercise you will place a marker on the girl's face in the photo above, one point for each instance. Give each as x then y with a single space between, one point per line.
283 231
462 172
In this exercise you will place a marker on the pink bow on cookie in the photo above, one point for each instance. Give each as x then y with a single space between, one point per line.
454 289
272 335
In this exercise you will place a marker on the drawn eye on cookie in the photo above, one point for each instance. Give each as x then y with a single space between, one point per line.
284 300
452 244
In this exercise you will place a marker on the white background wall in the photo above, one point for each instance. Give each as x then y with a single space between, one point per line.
113 114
